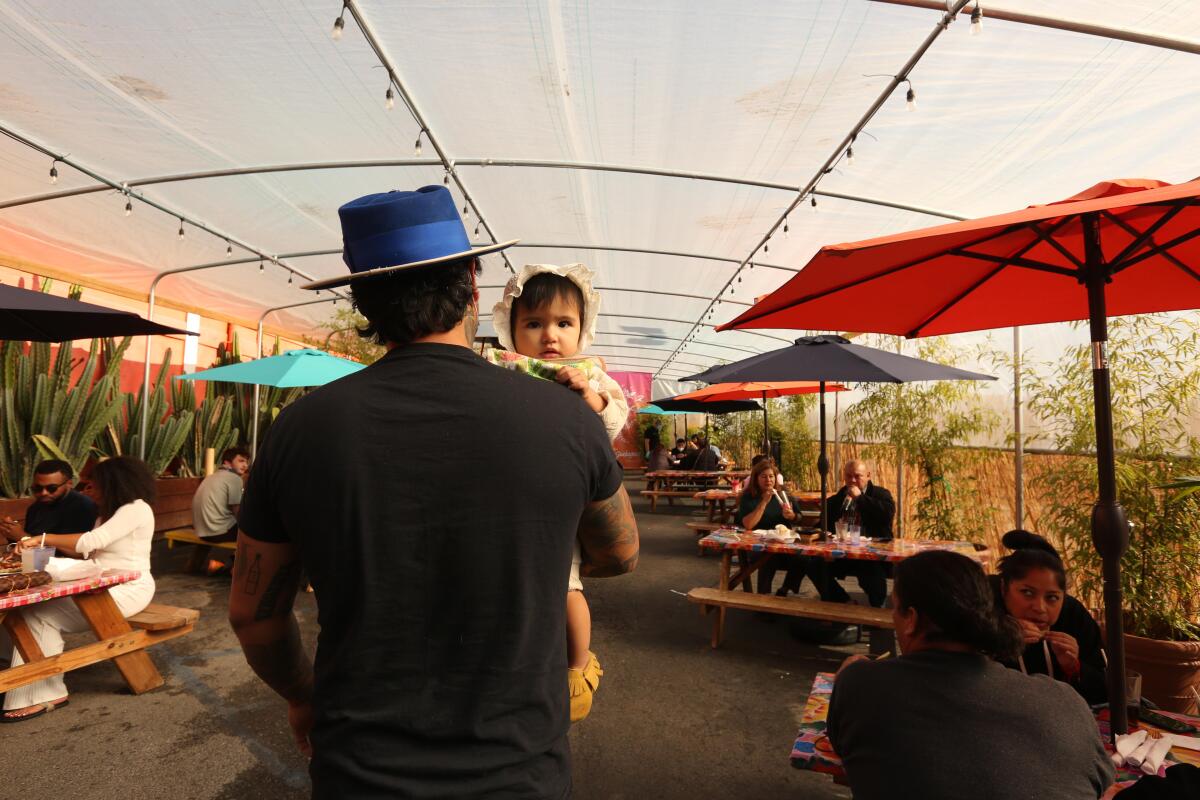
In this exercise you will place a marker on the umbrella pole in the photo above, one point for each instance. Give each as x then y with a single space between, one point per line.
766 429
254 425
823 466
1110 530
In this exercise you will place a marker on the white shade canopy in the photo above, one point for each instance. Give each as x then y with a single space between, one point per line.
758 95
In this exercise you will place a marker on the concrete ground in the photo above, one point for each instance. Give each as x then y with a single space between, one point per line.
673 718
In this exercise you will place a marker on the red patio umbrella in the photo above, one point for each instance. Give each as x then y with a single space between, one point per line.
754 390
1120 247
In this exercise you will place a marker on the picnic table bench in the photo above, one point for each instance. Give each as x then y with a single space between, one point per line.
753 552
121 640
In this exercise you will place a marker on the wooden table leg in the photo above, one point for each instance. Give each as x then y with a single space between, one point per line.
105 619
22 637
723 584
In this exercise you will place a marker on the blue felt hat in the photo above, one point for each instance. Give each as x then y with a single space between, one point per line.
396 230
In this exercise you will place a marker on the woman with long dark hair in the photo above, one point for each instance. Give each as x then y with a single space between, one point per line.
123 489
945 719
1060 637
760 508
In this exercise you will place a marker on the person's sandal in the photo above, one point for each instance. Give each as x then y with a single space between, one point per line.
46 708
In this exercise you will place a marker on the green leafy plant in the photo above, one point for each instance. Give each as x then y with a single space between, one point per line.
342 338
240 396
927 424
212 426
166 429
47 415
1155 369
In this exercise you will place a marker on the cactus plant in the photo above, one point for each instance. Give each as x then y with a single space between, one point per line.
212 426
167 429
44 414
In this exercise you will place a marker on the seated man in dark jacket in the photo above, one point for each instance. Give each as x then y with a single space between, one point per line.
874 509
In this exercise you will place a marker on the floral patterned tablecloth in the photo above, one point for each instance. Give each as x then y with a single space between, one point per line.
893 550
40 594
812 750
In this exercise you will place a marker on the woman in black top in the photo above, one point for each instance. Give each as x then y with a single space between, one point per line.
1061 638
760 509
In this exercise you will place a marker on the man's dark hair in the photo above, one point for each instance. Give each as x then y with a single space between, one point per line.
1030 551
233 452
413 303
955 603
680 441
122 480
53 465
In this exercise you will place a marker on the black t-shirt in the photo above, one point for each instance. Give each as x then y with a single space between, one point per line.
434 499
772 515
75 512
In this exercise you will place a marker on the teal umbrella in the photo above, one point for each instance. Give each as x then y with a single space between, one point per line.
305 367
653 409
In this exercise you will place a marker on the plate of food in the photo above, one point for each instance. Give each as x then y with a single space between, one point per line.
10 561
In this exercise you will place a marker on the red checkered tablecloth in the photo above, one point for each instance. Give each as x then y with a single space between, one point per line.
40 594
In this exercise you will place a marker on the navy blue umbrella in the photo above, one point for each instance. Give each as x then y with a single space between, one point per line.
29 316
832 358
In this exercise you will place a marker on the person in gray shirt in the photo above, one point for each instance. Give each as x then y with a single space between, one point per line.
946 720
215 504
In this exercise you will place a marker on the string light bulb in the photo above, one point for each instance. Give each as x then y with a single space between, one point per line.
389 99
850 156
446 179
466 209
228 249
339 25
911 99
181 234
260 264
976 20
785 233
291 275
128 206
477 224
53 172
813 202
417 146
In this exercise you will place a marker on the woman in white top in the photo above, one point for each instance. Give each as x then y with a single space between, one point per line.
123 488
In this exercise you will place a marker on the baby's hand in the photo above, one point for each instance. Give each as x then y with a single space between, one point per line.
575 380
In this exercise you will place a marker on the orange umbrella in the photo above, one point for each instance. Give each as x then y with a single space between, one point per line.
753 390
1120 247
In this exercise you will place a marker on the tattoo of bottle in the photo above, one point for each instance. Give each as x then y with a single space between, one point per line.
252 575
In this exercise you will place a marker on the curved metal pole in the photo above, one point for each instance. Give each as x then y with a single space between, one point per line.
150 316
472 162
952 9
258 348
1057 23
1019 441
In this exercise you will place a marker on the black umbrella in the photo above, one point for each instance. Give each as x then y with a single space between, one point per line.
832 358
701 407
29 316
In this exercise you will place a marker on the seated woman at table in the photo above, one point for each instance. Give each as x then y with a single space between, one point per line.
123 488
659 458
1061 638
944 719
759 509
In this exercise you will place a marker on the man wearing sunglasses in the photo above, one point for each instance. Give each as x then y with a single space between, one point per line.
57 507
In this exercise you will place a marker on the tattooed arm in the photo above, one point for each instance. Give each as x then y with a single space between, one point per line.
608 537
265 579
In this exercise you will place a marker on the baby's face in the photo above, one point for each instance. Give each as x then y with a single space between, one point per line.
551 331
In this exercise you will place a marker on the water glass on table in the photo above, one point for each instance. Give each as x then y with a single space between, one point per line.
1133 696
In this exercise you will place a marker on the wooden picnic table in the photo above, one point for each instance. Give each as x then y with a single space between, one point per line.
746 544
116 638
716 501
813 751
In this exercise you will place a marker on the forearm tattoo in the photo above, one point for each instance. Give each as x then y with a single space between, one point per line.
282 587
609 528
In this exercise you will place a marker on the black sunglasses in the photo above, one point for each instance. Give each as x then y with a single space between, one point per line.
48 488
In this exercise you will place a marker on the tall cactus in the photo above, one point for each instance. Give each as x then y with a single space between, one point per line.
212 426
45 415
167 430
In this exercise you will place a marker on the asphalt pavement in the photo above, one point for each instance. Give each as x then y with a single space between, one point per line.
673 717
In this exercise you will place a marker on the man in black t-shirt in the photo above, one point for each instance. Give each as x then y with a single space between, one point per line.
433 500
56 507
